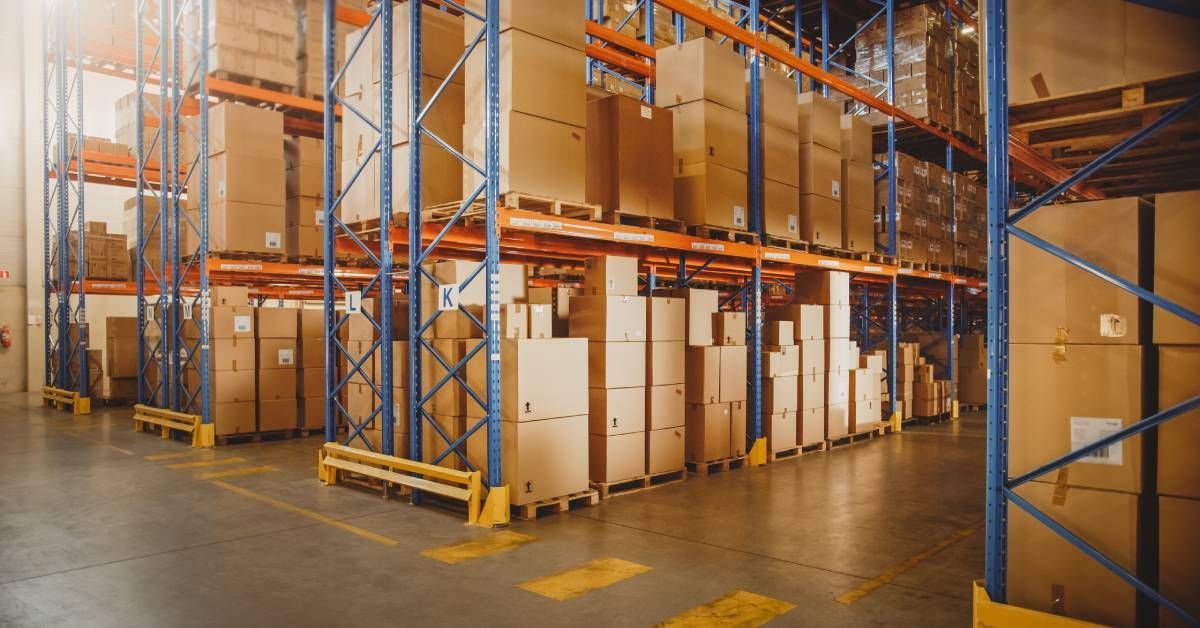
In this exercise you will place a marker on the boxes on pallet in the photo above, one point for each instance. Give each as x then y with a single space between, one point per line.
1175 224
710 194
703 374
778 333
558 300
537 156
729 328
781 209
629 157
534 68
732 383
781 153
819 120
807 320
610 275
700 69
664 362
666 319
781 361
738 436
617 364
609 318
700 306
665 449
1177 551
665 406
121 347
708 432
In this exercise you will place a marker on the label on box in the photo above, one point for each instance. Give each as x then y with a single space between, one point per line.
647 112
739 216
320 217
221 189
241 325
537 309
793 225
1112 326
836 189
285 357
1087 430
272 240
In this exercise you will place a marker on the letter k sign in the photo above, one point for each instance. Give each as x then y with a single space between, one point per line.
448 297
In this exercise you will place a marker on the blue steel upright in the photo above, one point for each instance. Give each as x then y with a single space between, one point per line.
893 335
757 224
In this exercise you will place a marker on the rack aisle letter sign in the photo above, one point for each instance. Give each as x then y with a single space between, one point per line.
448 297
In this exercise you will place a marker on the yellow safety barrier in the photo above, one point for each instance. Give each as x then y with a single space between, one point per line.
897 422
465 486
203 434
57 397
988 614
758 453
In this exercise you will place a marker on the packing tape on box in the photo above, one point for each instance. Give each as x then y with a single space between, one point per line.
1062 335
1060 353
1060 488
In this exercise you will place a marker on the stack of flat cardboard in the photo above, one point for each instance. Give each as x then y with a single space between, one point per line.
831 290
922 61
970 228
105 255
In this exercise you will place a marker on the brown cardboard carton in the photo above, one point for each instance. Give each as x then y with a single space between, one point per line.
781 209
541 320
819 120
863 383
541 78
543 459
276 353
276 322
710 194
700 69
512 281
812 357
311 352
121 357
738 434
231 354
539 379
810 425
617 458
275 415
781 431
820 220
232 417
779 101
559 299
1175 224
226 386
1055 302
781 361
856 139
399 365
609 318
729 328
227 322
304 241
1178 578
858 230
703 374
610 275
1046 573
827 287
708 429
229 295
615 411
700 304
664 449
1178 472
821 172
311 383
665 363
241 177
837 355
664 406
630 157
864 415
250 130
781 153
537 156
780 394
1062 398
616 364
779 332
733 374
858 186
837 420
665 318
837 322
560 22
312 412
837 388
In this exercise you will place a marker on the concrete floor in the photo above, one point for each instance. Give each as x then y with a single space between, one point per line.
98 529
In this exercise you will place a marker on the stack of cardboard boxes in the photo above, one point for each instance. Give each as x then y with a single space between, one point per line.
781 152
120 358
858 186
231 360
701 83
249 40
304 214
543 101
276 348
666 388
150 232
831 290
969 121
105 255
715 376
780 386
629 157
820 170
907 355
310 44
922 63
923 209
866 391
970 228
310 369
125 109
972 370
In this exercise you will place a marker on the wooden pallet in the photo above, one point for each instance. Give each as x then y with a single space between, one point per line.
638 484
253 81
256 437
940 268
878 258
785 243
556 505
552 206
879 429
256 256
716 466
722 233
647 222
796 452
829 251
963 407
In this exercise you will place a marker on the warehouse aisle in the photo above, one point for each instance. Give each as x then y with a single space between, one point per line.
102 526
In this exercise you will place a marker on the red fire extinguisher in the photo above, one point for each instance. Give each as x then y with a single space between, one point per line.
5 337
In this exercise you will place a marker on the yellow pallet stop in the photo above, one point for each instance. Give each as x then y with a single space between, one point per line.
988 614
897 422
58 397
203 434
758 453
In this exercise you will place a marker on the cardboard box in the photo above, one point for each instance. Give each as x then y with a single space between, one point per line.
858 186
278 414
541 321
617 458
121 357
708 430
1178 578
541 459
1062 398
837 355
1178 471
700 69
399 365
703 374
229 295
820 220
781 153
232 417
733 374
780 394
821 172
738 435
224 322
630 157
539 379
560 22
781 209
665 449
778 101
781 431
613 411
779 332
231 354
837 322
559 299
837 420
537 156
277 322
819 120
617 364
253 131
864 415
837 387
1175 224
311 352
710 194
729 328
609 318
781 361
858 230
810 426
807 320
310 383
665 318
856 139
664 363
610 275
664 406
512 281
225 386
812 357
700 304
827 287
541 78
276 353
1046 573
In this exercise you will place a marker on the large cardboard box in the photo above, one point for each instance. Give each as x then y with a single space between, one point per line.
819 120
778 101
827 287
240 227
708 429
837 420
733 374
700 304
810 426
1178 469
729 328
837 355
613 411
863 384
856 139
225 386
1064 397
617 458
121 357
781 209
512 281
812 357
276 414
858 230
539 379
541 78
1178 549
1055 302
241 128
560 22
700 69
739 435
241 177
1176 223
820 220
665 363
234 417
664 406
837 321
837 388
821 172
664 449
665 319
781 153
617 364
710 194
537 156
858 186
609 318
630 157
231 354
1048 574
779 332
781 430
543 459
808 321
277 353
864 415
781 361
541 320
276 322
610 275
703 374
780 394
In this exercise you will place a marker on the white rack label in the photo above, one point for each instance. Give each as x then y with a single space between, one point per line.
707 246
904 271
1087 430
831 263
353 302
776 256
448 297
633 237
536 223
935 275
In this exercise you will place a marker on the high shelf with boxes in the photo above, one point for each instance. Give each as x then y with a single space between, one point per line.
1092 399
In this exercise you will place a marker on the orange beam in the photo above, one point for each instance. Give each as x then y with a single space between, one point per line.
625 62
617 38
962 14
353 17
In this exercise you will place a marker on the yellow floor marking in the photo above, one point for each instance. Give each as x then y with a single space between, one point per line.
740 608
182 454
592 575
230 473
316 516
95 441
891 573
205 463
492 543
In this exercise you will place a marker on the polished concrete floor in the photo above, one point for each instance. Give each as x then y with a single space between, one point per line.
101 526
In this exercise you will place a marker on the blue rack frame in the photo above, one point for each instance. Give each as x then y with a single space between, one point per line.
1002 225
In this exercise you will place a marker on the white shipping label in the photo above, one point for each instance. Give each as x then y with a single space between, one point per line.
837 189
241 325
1087 430
221 189
793 224
320 217
739 216
286 358
273 240
647 112
1112 326
537 309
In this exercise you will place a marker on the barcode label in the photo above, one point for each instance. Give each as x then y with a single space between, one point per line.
1087 430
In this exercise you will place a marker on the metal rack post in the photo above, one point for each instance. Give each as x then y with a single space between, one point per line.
758 225
892 332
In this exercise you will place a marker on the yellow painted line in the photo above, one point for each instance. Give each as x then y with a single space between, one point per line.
891 573
740 608
64 432
182 454
492 543
205 463
592 575
231 473
304 512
